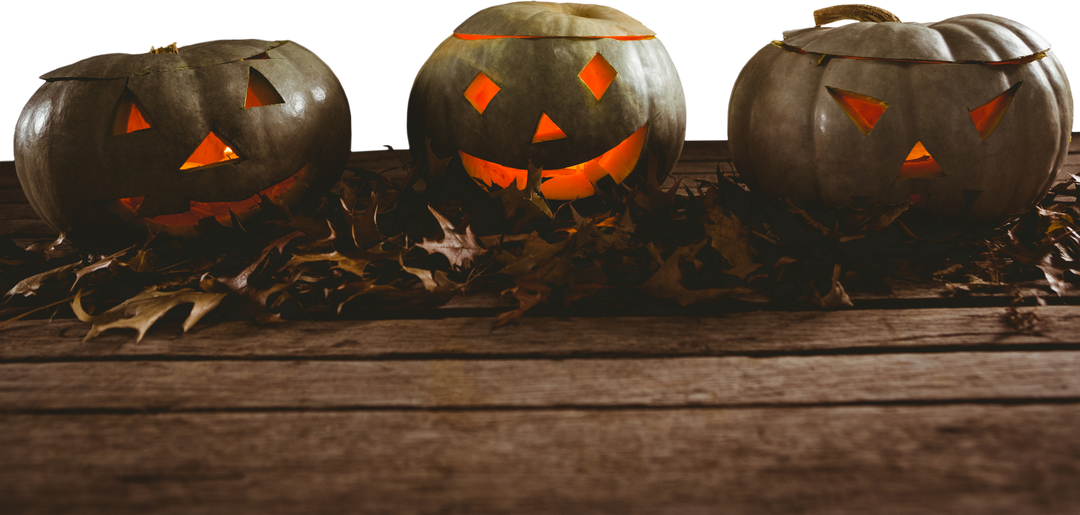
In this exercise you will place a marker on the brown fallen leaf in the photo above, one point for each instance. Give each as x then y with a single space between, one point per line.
732 239
461 249
666 282
836 297
529 295
32 284
143 310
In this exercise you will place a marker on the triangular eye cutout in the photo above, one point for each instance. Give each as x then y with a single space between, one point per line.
919 164
988 115
480 92
258 57
260 92
598 75
862 109
546 130
129 116
213 149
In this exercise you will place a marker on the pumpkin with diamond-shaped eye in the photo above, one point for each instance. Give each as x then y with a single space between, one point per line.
582 91
118 142
968 119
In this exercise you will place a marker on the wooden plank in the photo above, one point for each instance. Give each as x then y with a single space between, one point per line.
989 459
21 211
514 383
11 196
735 334
26 229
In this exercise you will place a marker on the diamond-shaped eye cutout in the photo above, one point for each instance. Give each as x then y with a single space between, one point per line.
213 149
129 117
989 115
598 75
864 110
480 92
260 92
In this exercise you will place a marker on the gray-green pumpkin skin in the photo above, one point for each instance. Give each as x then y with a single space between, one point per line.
539 74
789 138
70 163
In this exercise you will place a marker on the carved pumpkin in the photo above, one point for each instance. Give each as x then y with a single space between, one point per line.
579 90
119 141
969 118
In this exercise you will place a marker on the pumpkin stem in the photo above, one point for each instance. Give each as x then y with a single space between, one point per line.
171 49
857 12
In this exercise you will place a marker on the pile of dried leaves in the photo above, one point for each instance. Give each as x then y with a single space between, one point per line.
377 244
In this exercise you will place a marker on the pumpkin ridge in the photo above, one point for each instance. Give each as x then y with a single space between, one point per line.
52 77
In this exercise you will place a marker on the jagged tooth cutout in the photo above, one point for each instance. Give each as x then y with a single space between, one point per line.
130 116
970 196
213 149
260 92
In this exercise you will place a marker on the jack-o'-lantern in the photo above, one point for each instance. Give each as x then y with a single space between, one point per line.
579 90
172 138
968 118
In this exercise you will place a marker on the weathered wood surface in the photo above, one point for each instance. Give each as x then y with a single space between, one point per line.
921 400
756 334
962 458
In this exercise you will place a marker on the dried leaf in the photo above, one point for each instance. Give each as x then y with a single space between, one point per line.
732 239
529 295
666 283
32 284
461 249
143 310
836 297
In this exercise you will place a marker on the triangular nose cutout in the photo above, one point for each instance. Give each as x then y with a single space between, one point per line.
213 149
546 130
260 92
919 164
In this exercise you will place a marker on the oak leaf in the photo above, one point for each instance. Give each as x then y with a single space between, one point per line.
461 249
32 284
143 310
666 282
732 239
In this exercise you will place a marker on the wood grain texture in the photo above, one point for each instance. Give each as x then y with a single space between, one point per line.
755 333
986 459
662 382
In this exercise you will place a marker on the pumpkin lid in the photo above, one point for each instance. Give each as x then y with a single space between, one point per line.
974 38
116 66
548 19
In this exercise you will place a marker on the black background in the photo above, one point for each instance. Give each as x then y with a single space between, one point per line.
377 46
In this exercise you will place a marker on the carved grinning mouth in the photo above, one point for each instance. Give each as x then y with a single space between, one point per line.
197 211
567 183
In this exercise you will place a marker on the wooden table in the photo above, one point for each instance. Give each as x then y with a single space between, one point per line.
913 402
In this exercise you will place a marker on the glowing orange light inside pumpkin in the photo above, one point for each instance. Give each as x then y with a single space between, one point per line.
480 92
546 130
989 115
213 149
920 164
260 92
199 210
864 110
565 183
129 118
598 75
